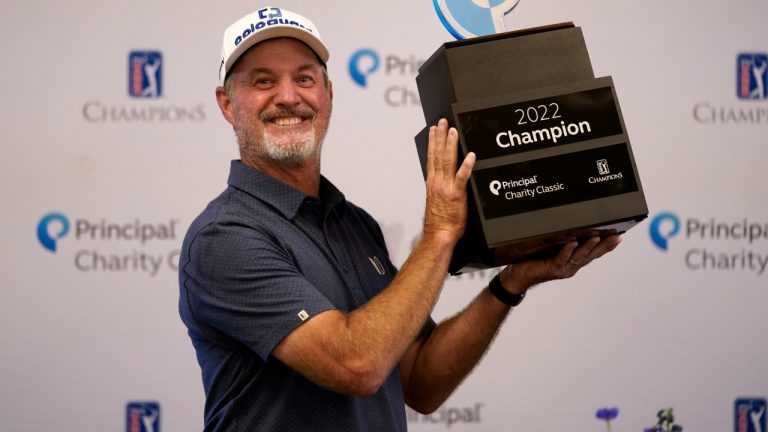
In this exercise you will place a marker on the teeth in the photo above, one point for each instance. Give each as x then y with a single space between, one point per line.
289 121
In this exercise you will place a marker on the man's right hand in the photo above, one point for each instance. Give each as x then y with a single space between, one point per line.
446 208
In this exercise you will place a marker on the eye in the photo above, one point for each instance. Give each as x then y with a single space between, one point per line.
305 80
263 83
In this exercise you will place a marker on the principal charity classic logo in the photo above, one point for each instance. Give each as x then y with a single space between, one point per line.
749 415
145 74
102 244
713 245
448 415
51 228
663 227
394 71
752 76
518 188
363 63
142 417
470 18
495 185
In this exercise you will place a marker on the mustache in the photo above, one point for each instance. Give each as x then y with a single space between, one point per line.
303 112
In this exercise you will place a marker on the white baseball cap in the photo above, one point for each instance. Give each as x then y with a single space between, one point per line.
263 24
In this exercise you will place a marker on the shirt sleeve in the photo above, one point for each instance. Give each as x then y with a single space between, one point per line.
244 286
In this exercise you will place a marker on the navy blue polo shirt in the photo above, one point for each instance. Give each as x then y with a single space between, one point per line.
259 261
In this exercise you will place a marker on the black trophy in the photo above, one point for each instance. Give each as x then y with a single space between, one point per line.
554 162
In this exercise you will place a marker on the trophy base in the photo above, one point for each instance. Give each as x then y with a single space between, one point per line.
467 259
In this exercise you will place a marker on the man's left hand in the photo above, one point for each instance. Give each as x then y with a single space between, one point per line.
572 257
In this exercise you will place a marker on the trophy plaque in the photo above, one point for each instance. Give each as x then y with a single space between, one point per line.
554 162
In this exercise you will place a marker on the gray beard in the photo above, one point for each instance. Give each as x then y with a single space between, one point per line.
267 148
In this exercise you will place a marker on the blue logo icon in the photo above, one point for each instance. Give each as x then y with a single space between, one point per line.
145 74
749 415
470 18
663 227
142 417
47 223
752 76
363 62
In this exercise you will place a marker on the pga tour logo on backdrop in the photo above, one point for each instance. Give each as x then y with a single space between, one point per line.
749 415
751 86
142 417
146 86
470 18
752 76
145 74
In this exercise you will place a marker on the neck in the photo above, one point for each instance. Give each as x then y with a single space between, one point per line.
304 176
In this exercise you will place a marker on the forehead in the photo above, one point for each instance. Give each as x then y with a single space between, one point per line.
279 52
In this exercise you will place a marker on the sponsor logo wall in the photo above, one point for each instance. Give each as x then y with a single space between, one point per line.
395 72
112 149
751 78
142 417
102 250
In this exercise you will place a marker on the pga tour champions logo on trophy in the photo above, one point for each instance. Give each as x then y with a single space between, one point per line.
470 18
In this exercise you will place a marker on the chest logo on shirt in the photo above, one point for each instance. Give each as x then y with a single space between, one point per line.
377 265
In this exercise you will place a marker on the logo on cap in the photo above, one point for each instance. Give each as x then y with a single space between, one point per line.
471 18
274 17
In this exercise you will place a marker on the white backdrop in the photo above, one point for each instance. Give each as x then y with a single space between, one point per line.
93 326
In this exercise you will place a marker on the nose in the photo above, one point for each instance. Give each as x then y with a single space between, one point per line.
286 93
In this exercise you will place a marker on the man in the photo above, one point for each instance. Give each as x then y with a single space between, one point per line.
299 319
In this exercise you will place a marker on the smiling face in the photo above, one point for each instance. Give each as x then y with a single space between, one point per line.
278 100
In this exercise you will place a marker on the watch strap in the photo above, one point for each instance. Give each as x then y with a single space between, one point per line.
502 294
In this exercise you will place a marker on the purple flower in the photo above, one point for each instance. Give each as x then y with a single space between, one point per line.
607 414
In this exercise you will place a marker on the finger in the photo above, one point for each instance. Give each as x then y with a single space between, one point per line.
431 151
435 149
465 170
580 254
562 257
595 248
451 153
441 141
606 245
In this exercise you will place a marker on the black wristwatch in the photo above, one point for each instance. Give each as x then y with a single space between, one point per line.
503 295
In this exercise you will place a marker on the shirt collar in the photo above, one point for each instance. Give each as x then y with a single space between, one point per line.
286 199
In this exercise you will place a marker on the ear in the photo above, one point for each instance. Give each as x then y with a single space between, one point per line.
225 104
330 89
